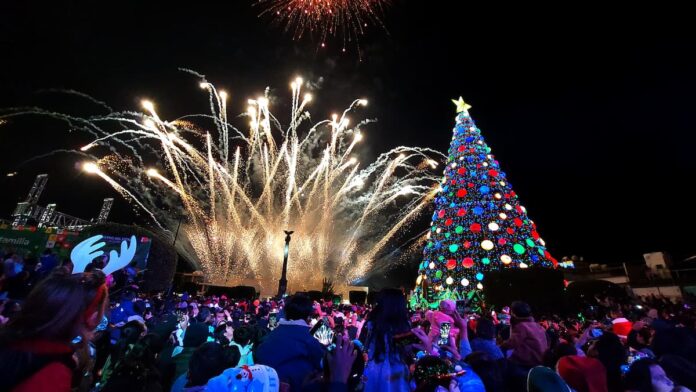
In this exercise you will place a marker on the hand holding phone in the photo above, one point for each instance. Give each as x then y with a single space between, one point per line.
444 333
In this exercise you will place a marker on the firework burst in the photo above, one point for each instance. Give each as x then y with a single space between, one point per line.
238 191
322 20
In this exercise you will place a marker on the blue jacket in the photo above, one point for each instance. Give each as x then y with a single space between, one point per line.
292 352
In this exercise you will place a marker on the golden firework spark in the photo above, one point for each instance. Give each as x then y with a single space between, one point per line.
238 190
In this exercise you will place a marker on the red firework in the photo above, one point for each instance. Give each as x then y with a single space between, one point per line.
325 19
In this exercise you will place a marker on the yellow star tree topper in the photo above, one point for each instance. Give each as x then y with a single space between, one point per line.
461 105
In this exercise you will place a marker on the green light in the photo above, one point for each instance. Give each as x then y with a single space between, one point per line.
453 248
519 249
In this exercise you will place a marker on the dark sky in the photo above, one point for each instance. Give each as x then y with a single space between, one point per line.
589 111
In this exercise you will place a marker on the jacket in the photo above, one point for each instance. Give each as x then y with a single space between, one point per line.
528 342
292 352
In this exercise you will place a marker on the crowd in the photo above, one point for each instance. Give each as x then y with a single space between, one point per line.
88 332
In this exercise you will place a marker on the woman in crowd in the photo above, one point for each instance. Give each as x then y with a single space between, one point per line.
386 370
646 375
36 349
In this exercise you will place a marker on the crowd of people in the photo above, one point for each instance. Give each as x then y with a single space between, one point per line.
88 332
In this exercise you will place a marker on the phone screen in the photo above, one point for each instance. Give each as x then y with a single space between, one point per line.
272 320
323 333
444 333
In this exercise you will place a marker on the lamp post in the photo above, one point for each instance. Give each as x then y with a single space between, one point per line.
283 282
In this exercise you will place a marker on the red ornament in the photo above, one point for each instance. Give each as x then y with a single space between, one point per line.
441 213
451 263
468 262
510 230
448 222
547 255
467 244
513 194
461 193
554 262
518 208
476 228
461 148
502 241
518 222
492 173
470 185
461 171
535 235
461 212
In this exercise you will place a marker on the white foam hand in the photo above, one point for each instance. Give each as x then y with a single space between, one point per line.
85 252
118 261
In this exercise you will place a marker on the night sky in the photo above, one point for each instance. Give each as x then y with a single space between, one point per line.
590 112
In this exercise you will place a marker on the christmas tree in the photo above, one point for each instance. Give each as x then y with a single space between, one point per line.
478 224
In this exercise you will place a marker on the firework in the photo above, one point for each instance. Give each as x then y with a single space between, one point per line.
325 19
238 191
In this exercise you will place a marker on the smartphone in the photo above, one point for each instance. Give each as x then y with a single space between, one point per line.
444 333
323 333
596 332
272 320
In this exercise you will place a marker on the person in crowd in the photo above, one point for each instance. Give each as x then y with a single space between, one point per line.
528 342
484 340
619 324
386 369
130 334
207 361
242 344
174 360
609 350
36 347
137 371
646 375
488 369
290 349
48 261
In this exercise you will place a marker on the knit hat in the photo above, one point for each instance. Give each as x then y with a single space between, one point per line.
621 327
583 374
543 379
257 378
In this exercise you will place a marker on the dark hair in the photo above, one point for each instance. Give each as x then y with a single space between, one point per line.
55 308
612 354
520 309
638 377
489 370
298 307
552 356
206 362
389 317
243 335
203 314
485 329
130 334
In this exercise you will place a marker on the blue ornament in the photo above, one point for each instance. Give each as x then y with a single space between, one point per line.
479 276
478 210
484 190
469 139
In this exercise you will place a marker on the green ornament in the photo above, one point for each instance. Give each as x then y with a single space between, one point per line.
441 258
453 248
519 249
447 235
430 245
540 250
486 260
459 230
529 242
438 274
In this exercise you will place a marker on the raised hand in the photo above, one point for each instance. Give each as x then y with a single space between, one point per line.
85 252
118 261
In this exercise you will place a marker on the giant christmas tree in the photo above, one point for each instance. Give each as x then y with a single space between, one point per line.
478 224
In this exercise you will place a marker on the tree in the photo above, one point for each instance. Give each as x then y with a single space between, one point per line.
478 224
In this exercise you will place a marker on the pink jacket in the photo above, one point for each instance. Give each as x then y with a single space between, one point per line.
528 342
